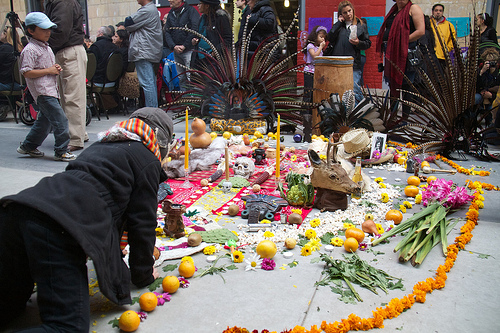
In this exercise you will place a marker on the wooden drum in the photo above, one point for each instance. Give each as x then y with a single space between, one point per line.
332 74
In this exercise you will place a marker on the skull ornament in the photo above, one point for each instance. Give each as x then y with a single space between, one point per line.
244 167
226 186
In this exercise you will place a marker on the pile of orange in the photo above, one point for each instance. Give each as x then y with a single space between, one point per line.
186 269
413 180
148 301
411 191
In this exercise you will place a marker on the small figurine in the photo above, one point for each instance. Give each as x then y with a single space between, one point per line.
259 155
174 226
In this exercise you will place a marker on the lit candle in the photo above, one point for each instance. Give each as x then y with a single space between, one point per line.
227 163
278 151
186 144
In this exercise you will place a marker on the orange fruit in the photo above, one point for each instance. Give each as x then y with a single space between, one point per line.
351 244
170 284
148 301
266 249
430 179
394 215
411 191
129 321
401 160
413 180
355 233
425 164
186 269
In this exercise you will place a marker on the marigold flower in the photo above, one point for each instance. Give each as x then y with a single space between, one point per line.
384 197
306 251
382 185
188 259
402 208
268 234
418 199
310 233
238 256
336 241
209 250
407 204
378 180
315 222
480 204
297 211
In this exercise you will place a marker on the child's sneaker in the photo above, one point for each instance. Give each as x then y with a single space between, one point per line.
32 153
66 157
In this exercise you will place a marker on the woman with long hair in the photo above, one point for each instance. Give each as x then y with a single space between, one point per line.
397 39
120 39
349 35
7 59
488 34
215 26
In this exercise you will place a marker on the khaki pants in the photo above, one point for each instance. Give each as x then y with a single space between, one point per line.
73 91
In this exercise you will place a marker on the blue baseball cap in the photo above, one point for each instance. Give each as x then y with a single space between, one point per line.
40 20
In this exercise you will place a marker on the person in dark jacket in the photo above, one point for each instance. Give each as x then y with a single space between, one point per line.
47 231
67 43
216 27
180 41
7 60
349 36
121 40
102 48
261 22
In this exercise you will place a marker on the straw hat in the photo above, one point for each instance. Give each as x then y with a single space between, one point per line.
353 143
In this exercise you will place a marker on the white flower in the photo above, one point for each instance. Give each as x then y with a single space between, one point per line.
253 263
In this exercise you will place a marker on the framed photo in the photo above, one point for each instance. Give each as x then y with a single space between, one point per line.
378 143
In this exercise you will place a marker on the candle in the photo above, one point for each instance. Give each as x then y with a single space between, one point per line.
227 163
186 144
278 151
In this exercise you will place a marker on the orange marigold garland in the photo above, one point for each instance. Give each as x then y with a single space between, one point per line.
397 305
463 170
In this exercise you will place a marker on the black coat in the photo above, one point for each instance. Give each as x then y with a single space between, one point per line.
102 48
219 33
339 36
187 17
263 22
110 187
7 60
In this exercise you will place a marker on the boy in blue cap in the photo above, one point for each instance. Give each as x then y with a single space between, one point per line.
40 70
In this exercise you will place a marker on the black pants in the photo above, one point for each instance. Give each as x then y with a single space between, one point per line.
35 249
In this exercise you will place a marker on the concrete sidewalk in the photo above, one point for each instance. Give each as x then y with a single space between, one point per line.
283 298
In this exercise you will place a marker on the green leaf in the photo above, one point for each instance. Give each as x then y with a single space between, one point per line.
367 203
315 260
326 238
170 267
375 252
347 221
135 300
231 267
399 328
156 283
293 263
397 285
114 322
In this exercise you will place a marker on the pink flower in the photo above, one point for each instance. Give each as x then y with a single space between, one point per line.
184 282
162 297
142 315
268 264
363 246
459 197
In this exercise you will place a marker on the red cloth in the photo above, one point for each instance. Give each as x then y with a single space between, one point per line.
397 44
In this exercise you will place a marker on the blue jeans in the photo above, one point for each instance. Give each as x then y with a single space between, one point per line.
183 58
357 80
35 249
50 115
8 86
147 80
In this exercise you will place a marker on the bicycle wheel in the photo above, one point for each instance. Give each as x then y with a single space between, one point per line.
26 116
88 116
